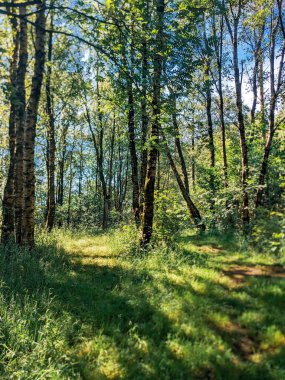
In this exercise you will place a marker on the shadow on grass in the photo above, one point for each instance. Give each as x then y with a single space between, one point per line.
220 241
149 326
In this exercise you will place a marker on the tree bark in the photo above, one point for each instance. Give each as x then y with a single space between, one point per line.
194 212
8 208
274 92
218 45
98 147
68 219
261 96
20 123
243 144
30 130
257 57
144 121
208 91
193 166
178 145
133 155
148 206
61 168
50 214
210 126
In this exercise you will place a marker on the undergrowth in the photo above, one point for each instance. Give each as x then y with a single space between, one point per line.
88 306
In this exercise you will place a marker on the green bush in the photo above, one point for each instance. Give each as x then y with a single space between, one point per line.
269 231
170 218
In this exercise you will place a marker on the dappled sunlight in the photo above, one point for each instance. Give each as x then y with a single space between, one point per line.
195 313
164 315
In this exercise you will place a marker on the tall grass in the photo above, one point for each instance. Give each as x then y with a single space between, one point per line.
91 306
33 335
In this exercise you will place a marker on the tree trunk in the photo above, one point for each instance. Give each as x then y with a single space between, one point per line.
144 121
113 133
178 145
263 170
50 214
275 87
68 219
223 130
194 212
20 123
148 206
261 96
243 143
257 57
254 90
218 44
210 127
61 168
208 91
193 168
30 130
8 208
98 147
133 155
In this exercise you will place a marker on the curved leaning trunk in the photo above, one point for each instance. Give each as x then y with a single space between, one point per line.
194 212
30 130
179 147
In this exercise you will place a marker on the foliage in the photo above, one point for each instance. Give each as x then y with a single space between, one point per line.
170 218
269 232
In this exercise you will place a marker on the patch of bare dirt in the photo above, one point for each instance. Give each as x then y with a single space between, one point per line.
239 272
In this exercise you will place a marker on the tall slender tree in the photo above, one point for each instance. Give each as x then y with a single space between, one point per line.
8 205
148 207
50 212
28 228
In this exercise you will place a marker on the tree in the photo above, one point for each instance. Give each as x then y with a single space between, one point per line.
148 207
233 25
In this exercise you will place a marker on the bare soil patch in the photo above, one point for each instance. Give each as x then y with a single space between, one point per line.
239 272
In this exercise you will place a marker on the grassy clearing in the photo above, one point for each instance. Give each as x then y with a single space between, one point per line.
85 309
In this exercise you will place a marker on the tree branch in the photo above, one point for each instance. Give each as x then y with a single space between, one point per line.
9 4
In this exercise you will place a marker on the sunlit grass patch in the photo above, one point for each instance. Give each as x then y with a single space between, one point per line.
272 338
93 310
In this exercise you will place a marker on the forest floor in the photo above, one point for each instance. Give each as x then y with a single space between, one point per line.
85 309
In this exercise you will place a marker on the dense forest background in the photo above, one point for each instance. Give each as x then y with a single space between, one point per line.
144 108
142 128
